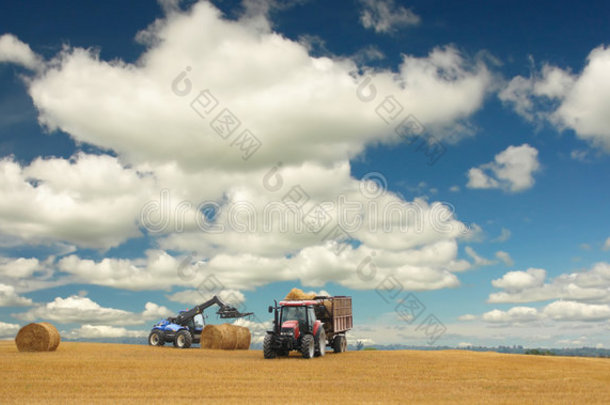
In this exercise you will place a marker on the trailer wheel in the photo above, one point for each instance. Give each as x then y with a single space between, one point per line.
156 338
268 351
321 346
307 346
340 344
183 339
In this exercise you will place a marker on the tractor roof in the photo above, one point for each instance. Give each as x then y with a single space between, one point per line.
301 303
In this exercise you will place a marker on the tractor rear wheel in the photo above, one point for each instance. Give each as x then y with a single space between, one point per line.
321 346
183 339
307 346
156 338
340 344
268 351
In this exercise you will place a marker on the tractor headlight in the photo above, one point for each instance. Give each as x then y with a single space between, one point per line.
287 332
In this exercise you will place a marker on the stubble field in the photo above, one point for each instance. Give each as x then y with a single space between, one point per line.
108 373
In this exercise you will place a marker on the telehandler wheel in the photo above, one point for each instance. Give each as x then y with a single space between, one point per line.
321 344
340 344
268 351
156 338
307 346
183 339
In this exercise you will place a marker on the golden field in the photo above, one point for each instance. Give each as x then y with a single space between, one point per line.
108 373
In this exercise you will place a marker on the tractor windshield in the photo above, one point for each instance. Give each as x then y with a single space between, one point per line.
294 314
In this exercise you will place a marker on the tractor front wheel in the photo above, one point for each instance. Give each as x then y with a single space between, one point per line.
307 346
268 351
183 339
156 338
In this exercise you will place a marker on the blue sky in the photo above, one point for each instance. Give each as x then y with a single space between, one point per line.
490 213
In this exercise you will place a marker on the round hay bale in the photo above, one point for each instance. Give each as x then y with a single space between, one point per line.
297 294
55 337
220 337
229 336
37 337
243 338
211 337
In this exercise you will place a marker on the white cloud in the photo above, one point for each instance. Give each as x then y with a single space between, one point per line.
384 16
281 93
18 268
557 311
584 108
256 74
512 170
429 267
576 311
196 297
10 298
103 331
529 286
512 316
505 258
71 200
606 245
8 330
78 309
566 100
12 50
478 260
467 317
520 280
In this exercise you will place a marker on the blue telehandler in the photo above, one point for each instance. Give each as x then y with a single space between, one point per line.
185 328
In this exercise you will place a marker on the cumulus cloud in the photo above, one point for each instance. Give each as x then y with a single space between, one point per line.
12 50
520 280
429 267
606 245
384 16
255 74
18 268
88 200
513 315
528 286
512 170
8 330
576 311
103 331
196 297
10 298
562 311
178 120
567 100
78 309
467 317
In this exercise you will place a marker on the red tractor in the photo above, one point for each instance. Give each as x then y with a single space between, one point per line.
308 326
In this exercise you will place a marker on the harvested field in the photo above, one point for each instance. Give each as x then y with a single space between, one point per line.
106 373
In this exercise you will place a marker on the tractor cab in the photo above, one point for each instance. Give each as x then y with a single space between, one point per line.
195 324
298 317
